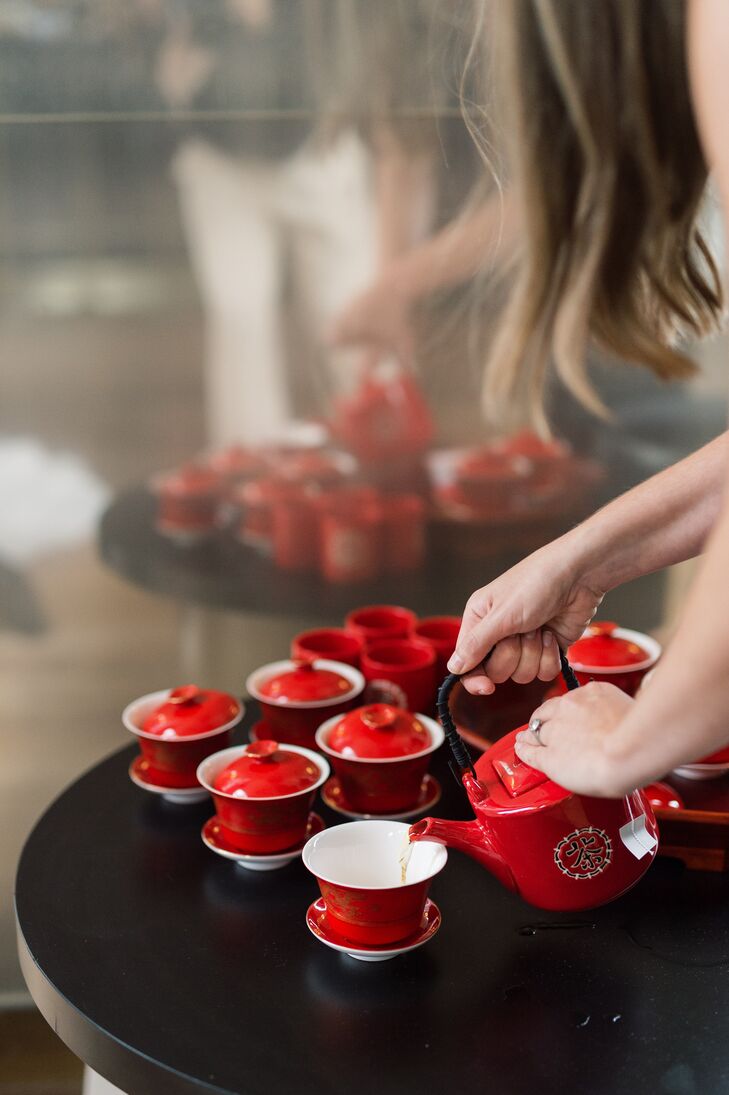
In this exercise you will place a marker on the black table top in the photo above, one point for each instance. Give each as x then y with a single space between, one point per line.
169 970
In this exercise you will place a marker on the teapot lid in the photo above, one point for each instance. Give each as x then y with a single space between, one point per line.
604 645
378 731
189 710
305 683
267 770
510 785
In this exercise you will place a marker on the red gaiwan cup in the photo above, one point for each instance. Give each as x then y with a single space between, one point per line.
294 717
404 668
440 632
272 818
333 643
381 622
187 502
613 654
172 760
358 869
376 756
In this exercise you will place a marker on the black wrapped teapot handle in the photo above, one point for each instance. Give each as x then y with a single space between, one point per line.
462 761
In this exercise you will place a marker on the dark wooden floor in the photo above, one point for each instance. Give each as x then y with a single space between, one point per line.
33 1061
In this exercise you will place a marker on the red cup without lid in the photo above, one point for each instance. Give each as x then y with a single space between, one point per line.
358 871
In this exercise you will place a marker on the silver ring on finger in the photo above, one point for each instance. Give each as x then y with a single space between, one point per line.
535 725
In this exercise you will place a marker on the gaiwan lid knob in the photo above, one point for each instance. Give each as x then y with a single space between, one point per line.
379 730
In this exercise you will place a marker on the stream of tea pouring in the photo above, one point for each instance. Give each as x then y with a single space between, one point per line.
404 859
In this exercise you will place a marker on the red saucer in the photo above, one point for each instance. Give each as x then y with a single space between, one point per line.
214 837
143 775
317 925
333 797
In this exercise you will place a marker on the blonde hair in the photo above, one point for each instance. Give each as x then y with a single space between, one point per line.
608 175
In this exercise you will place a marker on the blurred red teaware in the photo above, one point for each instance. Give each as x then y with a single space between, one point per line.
386 418
558 850
297 696
187 502
358 868
403 533
263 793
380 755
441 633
177 728
408 664
333 643
295 528
381 622
488 478
235 464
350 538
607 652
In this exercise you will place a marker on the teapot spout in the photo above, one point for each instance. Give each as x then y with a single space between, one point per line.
470 837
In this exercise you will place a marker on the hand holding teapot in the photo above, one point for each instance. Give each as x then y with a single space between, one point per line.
573 732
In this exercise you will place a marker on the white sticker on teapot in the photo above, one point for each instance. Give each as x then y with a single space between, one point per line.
636 838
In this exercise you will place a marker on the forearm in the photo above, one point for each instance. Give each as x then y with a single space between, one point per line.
458 252
683 713
403 182
660 522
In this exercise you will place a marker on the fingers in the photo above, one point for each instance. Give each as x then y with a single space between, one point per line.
528 752
549 666
477 682
480 631
530 658
521 658
549 708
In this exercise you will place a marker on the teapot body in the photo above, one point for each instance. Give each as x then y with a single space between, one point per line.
564 851
557 850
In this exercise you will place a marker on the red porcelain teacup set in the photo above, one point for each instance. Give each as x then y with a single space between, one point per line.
328 706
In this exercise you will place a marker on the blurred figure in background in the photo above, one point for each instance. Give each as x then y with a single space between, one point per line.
308 202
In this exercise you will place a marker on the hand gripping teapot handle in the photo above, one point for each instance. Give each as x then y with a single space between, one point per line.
462 761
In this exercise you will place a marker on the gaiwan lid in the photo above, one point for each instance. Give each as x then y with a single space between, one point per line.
190 710
605 646
305 683
378 731
266 770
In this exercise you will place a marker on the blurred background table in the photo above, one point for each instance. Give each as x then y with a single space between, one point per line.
169 970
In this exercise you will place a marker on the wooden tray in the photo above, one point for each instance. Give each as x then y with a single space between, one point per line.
699 834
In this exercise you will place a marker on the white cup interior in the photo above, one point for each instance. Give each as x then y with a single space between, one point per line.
259 677
366 855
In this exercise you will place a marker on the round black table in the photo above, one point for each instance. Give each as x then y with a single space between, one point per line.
169 970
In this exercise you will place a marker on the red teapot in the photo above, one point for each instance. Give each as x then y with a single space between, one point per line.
556 849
